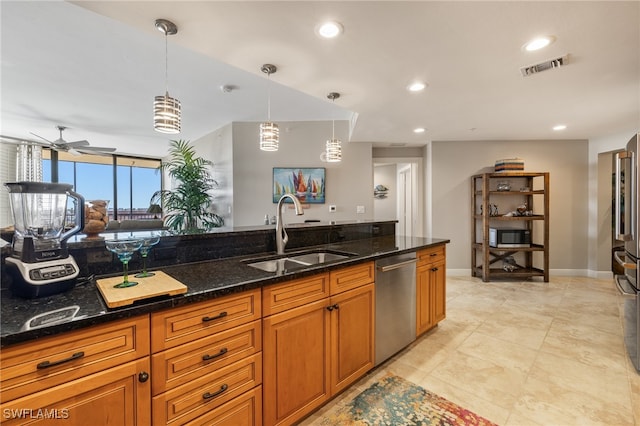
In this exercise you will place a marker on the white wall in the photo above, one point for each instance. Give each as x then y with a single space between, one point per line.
385 208
349 183
452 165
217 147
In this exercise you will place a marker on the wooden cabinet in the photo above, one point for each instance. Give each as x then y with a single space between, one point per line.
207 360
495 198
352 336
430 288
318 346
94 376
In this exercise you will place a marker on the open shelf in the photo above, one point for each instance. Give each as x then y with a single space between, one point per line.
484 194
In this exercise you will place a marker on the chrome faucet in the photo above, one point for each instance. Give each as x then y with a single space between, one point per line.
281 235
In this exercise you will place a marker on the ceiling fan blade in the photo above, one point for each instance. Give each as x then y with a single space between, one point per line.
75 144
46 140
11 139
74 152
95 148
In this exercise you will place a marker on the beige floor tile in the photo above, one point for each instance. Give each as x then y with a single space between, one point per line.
487 379
554 404
585 344
466 399
524 353
512 324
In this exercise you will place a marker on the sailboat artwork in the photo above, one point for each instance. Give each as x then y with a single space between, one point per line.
305 183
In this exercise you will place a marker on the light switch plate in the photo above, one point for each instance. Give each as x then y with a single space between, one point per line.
360 209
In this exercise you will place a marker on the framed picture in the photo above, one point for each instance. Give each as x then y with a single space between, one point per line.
305 183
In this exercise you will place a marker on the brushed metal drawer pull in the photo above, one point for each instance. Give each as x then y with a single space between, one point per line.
221 315
47 364
208 357
216 393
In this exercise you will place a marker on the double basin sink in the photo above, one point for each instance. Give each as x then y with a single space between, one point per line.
296 261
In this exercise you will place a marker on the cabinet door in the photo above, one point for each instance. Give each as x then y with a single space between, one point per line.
296 362
424 314
117 396
439 291
352 336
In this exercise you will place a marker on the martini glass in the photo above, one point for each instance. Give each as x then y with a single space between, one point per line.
124 249
147 245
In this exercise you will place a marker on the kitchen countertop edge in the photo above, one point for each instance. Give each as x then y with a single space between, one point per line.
196 277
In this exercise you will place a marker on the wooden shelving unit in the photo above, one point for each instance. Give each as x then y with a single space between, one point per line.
488 262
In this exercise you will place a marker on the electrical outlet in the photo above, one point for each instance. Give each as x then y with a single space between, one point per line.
359 209
332 208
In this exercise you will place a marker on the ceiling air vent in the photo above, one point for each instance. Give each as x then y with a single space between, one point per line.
546 65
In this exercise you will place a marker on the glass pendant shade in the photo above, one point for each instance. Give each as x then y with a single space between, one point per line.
166 114
269 136
334 150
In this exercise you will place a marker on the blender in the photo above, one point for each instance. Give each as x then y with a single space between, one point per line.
40 263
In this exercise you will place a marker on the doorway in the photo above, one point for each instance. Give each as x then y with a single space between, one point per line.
404 202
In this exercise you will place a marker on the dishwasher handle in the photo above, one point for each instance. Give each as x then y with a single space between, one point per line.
387 268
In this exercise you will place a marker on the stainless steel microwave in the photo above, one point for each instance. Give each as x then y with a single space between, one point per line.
505 237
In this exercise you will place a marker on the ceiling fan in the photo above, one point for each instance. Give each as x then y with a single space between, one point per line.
74 148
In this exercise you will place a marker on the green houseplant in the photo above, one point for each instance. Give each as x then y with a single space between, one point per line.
188 203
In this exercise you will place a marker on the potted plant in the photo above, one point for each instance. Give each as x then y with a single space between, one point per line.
188 203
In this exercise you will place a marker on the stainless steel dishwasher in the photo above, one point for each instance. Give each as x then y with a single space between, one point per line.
395 304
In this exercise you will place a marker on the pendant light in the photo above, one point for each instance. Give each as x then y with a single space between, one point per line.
269 131
334 146
166 110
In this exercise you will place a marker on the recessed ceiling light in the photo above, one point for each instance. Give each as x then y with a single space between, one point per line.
538 43
329 29
419 130
416 86
559 127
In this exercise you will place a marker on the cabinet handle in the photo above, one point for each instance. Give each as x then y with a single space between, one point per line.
434 269
336 306
216 393
143 376
330 308
47 364
433 254
221 315
208 357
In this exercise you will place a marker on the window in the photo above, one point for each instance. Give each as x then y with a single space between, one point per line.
128 190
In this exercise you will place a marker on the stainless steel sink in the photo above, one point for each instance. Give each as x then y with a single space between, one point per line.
297 261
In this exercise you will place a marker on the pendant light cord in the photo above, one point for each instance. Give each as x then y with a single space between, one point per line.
166 62
269 97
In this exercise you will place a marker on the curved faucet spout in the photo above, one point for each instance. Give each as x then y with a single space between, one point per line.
281 235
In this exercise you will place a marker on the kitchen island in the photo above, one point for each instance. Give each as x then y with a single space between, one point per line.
232 296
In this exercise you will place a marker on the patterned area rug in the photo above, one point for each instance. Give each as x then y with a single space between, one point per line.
394 401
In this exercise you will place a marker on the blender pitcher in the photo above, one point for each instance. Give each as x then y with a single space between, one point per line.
40 212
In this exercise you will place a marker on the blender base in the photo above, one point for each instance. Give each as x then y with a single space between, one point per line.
22 284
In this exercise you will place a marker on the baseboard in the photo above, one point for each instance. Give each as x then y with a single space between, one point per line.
601 275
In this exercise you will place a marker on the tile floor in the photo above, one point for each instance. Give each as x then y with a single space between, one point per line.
524 353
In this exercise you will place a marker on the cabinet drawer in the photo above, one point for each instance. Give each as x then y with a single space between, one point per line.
182 325
199 396
115 396
245 410
431 255
31 367
291 294
184 363
351 277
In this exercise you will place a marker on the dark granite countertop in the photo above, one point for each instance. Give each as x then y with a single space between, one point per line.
205 280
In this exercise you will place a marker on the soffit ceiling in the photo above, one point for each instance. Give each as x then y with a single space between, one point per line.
96 66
